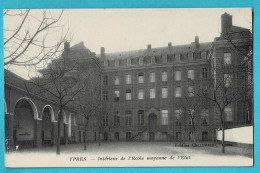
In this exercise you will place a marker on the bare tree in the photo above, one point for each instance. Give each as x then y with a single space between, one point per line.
189 106
89 102
33 37
62 81
224 90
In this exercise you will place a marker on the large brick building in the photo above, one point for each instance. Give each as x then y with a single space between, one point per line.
151 94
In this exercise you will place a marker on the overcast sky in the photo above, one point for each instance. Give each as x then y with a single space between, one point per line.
132 29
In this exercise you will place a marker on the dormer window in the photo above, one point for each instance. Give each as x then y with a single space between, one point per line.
116 62
178 57
128 62
164 58
152 60
105 63
141 61
204 55
190 56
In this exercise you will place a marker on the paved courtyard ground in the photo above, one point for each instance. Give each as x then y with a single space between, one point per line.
135 154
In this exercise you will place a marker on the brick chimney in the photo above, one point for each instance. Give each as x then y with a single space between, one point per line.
66 46
149 46
102 52
226 22
170 44
197 42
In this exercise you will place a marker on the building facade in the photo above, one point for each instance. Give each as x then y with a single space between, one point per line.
152 94
156 93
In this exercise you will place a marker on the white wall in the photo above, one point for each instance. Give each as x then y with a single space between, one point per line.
239 135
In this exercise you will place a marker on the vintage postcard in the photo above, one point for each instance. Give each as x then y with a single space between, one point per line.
128 87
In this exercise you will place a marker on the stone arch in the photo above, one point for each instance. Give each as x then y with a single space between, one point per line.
25 114
63 117
51 111
69 126
6 111
47 132
34 108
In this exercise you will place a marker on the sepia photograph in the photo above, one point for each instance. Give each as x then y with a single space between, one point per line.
144 87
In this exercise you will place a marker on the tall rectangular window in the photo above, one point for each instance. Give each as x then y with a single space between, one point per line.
141 94
190 91
178 91
227 80
116 80
128 94
105 95
177 76
128 118
191 74
116 95
204 73
152 77
152 93
105 80
116 118
227 58
140 77
204 116
128 79
105 120
164 117
164 92
164 76
140 117
228 114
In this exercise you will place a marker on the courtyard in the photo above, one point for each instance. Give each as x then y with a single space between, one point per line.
117 154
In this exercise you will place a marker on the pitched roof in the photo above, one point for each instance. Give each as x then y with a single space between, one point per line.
159 51
234 28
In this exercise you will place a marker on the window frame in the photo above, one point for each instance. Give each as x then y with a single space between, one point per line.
116 92
191 74
140 76
152 77
176 76
164 76
128 94
152 92
178 91
164 117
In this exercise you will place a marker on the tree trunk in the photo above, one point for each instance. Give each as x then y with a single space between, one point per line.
99 141
85 137
223 138
59 127
194 134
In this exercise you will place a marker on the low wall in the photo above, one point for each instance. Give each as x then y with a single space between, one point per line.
242 135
